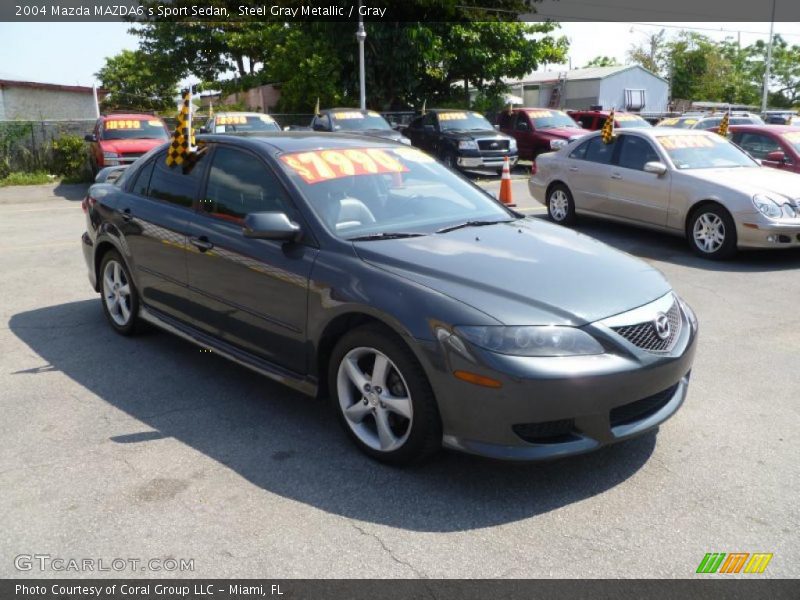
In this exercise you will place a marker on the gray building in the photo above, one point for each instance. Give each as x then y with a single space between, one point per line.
631 88
32 101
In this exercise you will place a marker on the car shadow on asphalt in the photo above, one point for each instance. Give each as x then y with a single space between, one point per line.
655 245
291 445
71 191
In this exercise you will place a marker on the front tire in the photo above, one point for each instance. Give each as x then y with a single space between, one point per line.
712 233
382 397
450 161
560 205
118 294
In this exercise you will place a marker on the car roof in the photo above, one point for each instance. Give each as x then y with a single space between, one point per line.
439 110
765 128
246 113
604 113
538 108
129 116
345 109
296 141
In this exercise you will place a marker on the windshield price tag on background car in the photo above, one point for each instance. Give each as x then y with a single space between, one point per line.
622 117
232 120
124 124
325 165
672 142
344 116
539 114
452 116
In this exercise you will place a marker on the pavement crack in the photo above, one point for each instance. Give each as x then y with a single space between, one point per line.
389 551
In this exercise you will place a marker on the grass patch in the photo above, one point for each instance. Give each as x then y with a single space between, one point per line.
23 178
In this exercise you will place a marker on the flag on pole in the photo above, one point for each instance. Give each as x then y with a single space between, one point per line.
316 108
608 129
183 146
723 125
424 102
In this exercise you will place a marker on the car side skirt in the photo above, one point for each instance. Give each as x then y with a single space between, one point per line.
262 367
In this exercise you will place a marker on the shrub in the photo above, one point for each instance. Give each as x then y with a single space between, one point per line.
70 157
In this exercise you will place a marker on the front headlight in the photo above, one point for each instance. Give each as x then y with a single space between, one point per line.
767 206
532 340
556 144
405 140
110 155
468 145
512 144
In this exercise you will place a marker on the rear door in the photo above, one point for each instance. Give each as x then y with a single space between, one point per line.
154 217
588 168
250 293
632 193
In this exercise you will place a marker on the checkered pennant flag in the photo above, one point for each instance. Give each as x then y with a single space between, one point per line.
608 129
723 125
183 146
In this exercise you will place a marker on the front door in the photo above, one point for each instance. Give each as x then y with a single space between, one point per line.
587 174
250 293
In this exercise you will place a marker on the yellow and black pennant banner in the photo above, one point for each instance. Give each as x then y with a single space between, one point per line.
723 125
183 146
608 129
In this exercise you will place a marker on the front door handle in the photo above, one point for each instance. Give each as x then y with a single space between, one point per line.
616 176
201 243
126 214
573 169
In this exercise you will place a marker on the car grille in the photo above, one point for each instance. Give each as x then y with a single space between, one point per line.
549 432
641 409
493 145
643 335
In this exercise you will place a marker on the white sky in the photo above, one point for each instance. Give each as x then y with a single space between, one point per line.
70 53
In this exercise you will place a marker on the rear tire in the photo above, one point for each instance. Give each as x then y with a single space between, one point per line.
560 205
118 295
382 397
711 232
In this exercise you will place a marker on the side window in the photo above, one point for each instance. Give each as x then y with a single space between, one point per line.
176 184
505 120
429 119
522 122
598 152
239 184
580 151
635 152
416 123
758 145
139 186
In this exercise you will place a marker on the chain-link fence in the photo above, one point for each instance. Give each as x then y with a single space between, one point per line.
27 145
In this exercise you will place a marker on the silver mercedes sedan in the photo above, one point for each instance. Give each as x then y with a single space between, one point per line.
687 182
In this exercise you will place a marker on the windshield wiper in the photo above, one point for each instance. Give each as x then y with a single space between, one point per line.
468 224
386 235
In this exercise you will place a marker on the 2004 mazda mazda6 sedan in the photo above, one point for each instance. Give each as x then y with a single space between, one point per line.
367 272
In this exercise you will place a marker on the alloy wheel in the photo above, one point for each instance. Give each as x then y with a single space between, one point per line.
709 232
117 293
559 205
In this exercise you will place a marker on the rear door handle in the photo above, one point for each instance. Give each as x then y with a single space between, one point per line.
201 243
574 169
616 176
126 214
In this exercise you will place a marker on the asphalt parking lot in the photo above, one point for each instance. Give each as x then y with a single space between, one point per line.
149 448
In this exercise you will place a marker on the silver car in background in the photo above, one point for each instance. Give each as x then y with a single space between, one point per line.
687 182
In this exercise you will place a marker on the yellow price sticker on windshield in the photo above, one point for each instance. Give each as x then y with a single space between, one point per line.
624 117
675 142
452 116
671 121
154 123
124 124
539 114
326 165
690 121
344 116
232 120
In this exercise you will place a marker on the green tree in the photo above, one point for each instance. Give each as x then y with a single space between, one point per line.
651 54
137 81
602 61
784 81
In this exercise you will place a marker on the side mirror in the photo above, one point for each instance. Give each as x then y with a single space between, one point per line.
204 129
319 127
522 126
655 167
90 137
497 126
271 226
777 156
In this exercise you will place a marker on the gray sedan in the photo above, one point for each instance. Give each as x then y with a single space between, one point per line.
685 182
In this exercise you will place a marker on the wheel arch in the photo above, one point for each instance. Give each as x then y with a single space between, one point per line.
699 205
550 187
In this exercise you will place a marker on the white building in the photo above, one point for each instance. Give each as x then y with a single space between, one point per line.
630 88
33 101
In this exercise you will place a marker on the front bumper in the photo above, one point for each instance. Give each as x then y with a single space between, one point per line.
87 245
554 407
753 230
486 162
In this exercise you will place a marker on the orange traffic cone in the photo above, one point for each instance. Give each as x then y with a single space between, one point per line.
505 184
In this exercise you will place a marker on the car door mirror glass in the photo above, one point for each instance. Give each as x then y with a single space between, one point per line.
90 137
658 168
271 226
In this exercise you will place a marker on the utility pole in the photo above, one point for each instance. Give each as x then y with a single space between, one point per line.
361 35
769 61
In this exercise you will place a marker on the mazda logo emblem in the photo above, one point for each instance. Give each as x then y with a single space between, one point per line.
661 325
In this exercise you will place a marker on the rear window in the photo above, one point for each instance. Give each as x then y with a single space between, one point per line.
125 129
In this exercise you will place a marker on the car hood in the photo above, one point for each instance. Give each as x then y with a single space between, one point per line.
563 133
477 134
132 145
386 134
757 180
525 272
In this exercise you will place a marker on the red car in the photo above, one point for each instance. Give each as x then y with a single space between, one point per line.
538 130
120 139
775 146
594 119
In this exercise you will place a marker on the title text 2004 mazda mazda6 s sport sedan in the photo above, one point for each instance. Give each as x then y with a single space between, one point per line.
367 272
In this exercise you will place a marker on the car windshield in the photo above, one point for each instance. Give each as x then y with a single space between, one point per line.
703 151
223 123
464 120
550 119
386 191
128 129
624 121
355 120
